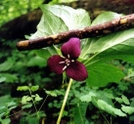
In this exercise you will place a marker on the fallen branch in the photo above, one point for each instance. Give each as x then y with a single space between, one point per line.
115 25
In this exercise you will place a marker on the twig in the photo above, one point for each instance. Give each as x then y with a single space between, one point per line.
115 25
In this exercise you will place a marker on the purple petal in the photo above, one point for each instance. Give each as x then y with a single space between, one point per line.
77 71
71 48
53 63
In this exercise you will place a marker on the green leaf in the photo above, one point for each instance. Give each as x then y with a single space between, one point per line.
105 17
88 97
72 19
26 99
127 109
125 100
7 104
33 120
37 61
117 45
100 74
80 112
51 93
23 88
56 19
7 101
26 106
109 108
34 88
43 53
101 50
119 113
54 93
5 121
9 78
2 79
119 100
38 98
5 66
113 46
49 23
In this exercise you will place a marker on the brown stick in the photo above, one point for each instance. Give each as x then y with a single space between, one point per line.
118 24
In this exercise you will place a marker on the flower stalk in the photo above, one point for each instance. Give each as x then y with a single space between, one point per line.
64 101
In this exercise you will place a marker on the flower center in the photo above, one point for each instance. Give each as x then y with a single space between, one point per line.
67 62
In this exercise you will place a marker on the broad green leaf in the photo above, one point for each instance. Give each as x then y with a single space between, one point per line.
100 74
105 17
49 24
113 46
118 45
86 47
100 50
88 44
72 18
56 19
117 48
127 109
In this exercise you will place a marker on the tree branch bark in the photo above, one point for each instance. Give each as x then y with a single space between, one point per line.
115 25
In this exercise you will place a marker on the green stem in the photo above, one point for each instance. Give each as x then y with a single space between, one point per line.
34 103
64 101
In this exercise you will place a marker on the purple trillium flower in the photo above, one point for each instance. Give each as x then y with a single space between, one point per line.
68 63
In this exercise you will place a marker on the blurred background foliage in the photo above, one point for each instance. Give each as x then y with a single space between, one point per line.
10 9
